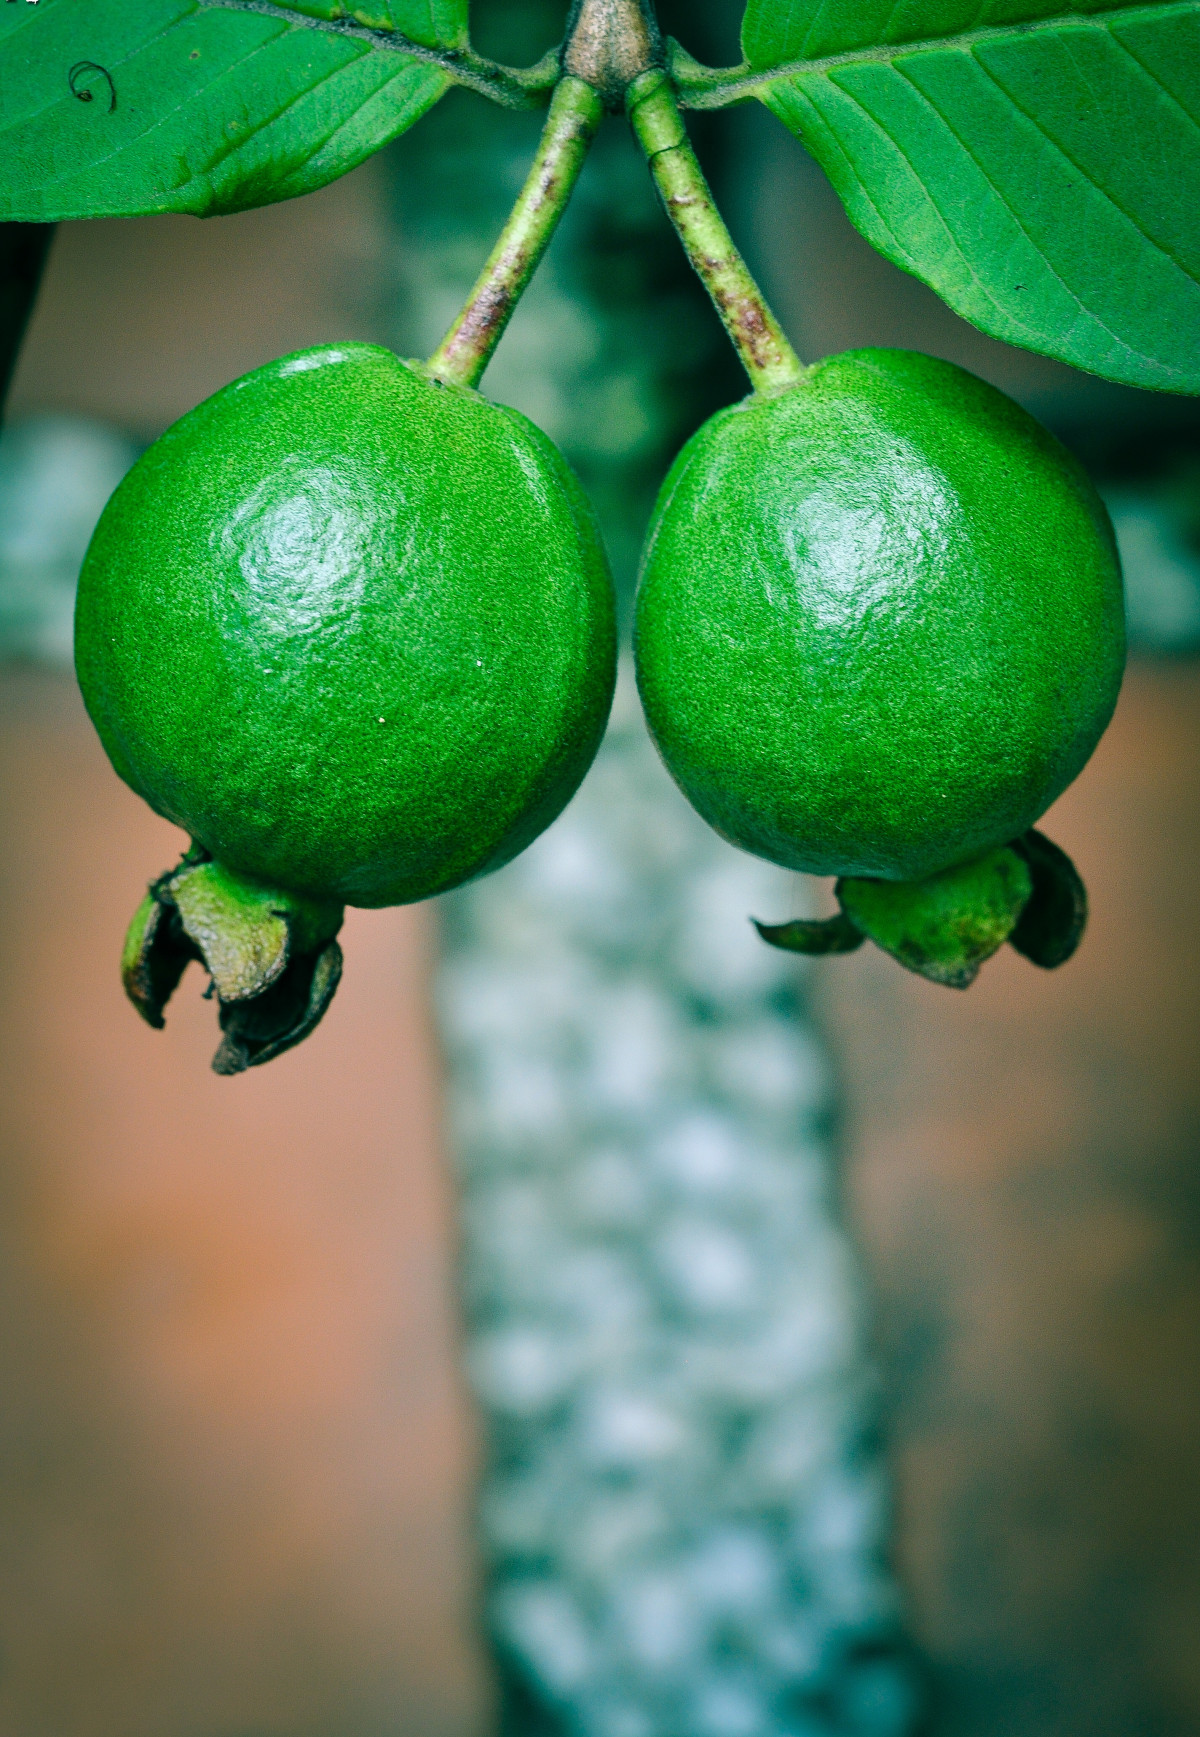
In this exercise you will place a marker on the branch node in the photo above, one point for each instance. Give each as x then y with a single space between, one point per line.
610 43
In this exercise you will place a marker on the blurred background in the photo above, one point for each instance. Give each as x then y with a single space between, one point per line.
601 1325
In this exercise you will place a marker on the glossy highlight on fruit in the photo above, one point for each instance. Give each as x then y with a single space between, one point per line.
879 626
351 628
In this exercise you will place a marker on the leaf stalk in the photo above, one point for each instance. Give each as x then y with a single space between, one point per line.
514 87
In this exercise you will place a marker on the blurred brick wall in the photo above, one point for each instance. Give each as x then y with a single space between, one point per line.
1025 1165
235 1456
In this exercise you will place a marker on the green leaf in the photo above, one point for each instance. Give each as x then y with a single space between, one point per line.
115 108
1037 164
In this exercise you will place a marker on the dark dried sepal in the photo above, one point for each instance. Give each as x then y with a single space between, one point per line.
945 926
270 954
1052 924
257 1030
833 935
157 953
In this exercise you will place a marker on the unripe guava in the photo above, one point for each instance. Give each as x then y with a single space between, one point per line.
879 626
351 628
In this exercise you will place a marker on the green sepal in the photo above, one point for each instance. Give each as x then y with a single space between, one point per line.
271 954
1051 926
943 927
242 940
833 935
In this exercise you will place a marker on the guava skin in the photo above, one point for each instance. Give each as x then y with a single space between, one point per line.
879 626
351 628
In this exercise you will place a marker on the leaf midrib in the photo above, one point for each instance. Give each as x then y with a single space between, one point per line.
393 41
742 81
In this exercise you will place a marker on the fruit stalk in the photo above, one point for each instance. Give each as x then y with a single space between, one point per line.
576 111
757 336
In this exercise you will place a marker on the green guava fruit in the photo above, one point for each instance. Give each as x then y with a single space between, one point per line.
879 626
351 628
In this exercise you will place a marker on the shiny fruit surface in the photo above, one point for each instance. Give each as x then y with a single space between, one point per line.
350 627
879 626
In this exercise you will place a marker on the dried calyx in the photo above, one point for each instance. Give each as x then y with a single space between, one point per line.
1027 893
271 956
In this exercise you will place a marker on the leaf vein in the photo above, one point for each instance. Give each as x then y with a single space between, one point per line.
501 83
940 214
867 195
1017 220
1080 168
393 41
229 148
815 27
1154 79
